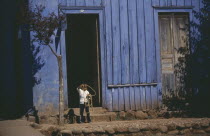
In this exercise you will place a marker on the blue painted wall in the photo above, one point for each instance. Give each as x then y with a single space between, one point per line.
130 54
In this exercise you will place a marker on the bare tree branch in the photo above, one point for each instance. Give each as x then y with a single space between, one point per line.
53 51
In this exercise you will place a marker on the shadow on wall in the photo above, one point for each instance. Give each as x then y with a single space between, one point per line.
19 64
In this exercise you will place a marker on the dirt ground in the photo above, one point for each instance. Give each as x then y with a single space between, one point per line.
18 127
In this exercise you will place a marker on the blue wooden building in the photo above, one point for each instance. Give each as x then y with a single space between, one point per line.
124 49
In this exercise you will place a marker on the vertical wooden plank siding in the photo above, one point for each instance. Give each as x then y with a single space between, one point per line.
102 55
89 2
71 3
169 3
188 3
150 56
97 2
163 2
141 40
108 25
62 2
148 97
137 97
80 2
154 96
134 73
180 2
156 2
116 50
115 103
124 40
143 98
122 98
150 48
141 49
173 2
158 61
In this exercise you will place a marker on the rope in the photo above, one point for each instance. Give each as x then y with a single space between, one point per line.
92 89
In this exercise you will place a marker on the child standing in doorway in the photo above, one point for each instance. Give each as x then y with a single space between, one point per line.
83 93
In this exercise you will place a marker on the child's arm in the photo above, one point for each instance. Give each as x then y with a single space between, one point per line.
78 89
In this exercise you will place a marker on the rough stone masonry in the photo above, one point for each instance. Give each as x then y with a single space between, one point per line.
172 126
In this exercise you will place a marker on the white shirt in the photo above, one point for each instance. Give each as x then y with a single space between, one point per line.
83 95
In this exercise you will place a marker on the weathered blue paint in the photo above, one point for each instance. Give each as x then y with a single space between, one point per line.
109 64
116 52
134 66
180 2
129 49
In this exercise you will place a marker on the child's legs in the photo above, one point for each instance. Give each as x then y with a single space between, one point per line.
82 106
87 110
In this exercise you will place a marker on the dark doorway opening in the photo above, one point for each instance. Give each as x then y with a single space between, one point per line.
83 57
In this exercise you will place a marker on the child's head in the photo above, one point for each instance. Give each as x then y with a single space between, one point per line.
83 86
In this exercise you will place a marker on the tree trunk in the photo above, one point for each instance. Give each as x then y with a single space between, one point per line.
61 99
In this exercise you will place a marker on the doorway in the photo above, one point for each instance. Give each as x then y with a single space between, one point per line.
173 32
83 56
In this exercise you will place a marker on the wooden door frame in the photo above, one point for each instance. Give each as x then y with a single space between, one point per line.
157 40
100 12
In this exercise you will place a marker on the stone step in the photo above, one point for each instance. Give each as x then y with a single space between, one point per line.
94 110
102 117
97 114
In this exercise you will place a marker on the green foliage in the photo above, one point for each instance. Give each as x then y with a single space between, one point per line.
43 27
